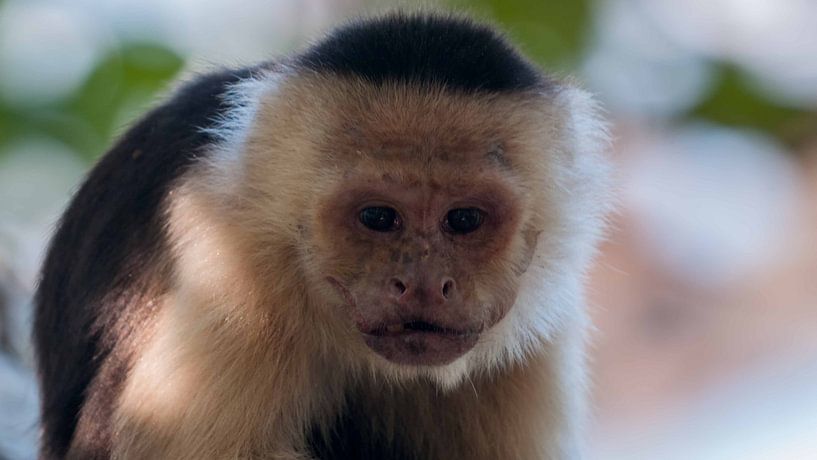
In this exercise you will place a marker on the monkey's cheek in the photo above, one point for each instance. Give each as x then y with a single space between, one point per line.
421 348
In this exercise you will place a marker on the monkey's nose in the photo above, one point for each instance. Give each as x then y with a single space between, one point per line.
449 288
397 288
429 293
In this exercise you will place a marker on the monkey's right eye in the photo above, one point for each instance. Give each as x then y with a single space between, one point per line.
380 219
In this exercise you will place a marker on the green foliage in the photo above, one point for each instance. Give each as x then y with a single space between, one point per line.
551 32
735 101
117 90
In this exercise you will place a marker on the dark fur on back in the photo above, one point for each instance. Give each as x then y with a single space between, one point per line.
455 52
107 261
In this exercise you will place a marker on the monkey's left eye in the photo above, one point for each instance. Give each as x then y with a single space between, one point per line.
463 220
380 219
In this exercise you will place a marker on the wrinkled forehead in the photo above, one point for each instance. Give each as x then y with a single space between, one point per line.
423 130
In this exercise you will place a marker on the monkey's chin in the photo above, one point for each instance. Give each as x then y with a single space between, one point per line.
419 348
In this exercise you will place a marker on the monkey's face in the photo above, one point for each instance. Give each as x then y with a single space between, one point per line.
425 218
419 213
423 267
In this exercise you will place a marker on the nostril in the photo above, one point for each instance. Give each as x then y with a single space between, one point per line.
397 287
448 288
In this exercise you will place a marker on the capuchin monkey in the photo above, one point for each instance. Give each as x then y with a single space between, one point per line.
372 249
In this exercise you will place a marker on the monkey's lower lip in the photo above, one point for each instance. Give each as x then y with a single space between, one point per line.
420 343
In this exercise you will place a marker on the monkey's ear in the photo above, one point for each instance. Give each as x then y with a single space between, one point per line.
588 143
241 102
230 130
587 128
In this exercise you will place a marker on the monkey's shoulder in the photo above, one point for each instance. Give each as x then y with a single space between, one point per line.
108 255
122 193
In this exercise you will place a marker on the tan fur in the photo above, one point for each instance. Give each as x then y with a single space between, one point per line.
250 349
221 338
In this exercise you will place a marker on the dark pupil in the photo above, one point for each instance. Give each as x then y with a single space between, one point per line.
379 219
464 220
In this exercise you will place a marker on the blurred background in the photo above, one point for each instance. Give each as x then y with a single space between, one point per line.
705 295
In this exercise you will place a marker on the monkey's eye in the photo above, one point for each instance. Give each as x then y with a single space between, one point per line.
463 220
380 219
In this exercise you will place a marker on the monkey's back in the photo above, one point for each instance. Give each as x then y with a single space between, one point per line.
108 261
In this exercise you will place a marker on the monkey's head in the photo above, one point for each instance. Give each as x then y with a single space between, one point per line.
439 225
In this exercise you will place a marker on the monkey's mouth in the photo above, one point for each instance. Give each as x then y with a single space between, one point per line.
420 342
411 340
408 327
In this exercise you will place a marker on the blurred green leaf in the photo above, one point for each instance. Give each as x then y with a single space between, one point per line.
126 78
552 33
118 89
9 124
735 101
